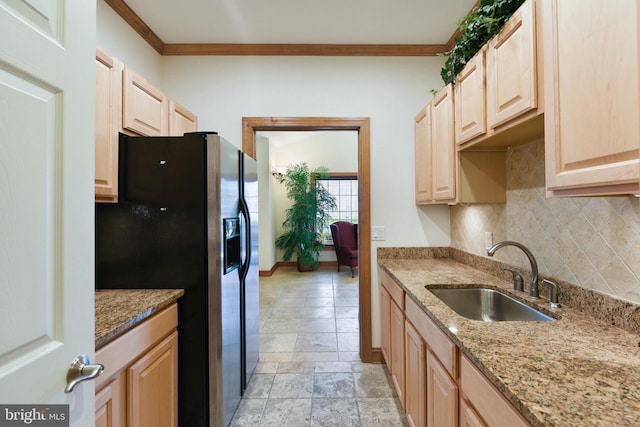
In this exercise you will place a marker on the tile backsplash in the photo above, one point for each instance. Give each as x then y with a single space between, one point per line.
592 242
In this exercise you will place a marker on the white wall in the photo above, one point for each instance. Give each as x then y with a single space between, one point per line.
388 90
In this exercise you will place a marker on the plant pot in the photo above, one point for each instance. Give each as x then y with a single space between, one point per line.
302 268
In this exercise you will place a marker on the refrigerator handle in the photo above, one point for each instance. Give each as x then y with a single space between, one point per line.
244 211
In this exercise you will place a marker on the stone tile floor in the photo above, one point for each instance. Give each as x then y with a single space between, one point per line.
309 372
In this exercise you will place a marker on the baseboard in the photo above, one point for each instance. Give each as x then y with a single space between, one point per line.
269 273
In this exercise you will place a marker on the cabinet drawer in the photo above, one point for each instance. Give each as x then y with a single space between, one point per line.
489 403
437 341
396 292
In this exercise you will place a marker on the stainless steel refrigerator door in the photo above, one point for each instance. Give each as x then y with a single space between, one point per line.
225 376
251 291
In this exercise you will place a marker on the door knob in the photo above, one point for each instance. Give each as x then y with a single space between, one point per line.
81 370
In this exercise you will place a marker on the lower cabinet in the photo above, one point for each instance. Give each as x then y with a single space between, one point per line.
439 386
489 406
416 384
393 334
139 387
442 395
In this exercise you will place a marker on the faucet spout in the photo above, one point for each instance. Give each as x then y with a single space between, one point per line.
533 285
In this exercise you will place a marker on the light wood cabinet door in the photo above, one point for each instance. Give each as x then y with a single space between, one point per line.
108 122
592 103
488 402
470 100
416 377
153 385
385 325
511 68
111 404
442 395
397 350
145 108
468 416
181 120
423 155
443 162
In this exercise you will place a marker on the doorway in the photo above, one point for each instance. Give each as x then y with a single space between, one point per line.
251 125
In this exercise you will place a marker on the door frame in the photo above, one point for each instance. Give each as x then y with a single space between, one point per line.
251 125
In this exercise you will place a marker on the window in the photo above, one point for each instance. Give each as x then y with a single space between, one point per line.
344 187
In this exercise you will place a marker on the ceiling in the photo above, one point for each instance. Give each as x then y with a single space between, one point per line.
367 22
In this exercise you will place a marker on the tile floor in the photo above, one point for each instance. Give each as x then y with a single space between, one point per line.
309 372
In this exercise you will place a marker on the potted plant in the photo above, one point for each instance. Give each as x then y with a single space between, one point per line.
309 211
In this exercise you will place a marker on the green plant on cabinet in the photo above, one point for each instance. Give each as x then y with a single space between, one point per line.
476 29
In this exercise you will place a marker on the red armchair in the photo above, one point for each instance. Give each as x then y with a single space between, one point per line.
345 242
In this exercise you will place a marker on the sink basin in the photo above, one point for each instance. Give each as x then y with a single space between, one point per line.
488 305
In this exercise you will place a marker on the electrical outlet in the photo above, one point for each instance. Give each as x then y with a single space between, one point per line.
488 239
377 232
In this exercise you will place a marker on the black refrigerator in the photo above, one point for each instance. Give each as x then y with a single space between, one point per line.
187 217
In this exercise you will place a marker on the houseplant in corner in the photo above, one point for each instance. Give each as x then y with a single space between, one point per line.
309 211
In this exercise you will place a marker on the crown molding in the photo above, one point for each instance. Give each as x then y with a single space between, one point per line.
177 49
303 49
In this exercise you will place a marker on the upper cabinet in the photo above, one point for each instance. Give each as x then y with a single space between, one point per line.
592 123
435 150
443 155
444 176
470 105
181 120
499 93
511 68
423 155
108 123
145 108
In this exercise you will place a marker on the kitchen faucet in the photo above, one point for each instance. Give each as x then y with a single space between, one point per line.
533 286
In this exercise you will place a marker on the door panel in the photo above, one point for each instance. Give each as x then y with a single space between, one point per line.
47 84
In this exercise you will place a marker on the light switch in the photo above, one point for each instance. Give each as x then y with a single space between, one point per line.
377 232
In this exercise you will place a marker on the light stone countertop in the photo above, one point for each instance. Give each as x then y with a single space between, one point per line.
119 310
576 371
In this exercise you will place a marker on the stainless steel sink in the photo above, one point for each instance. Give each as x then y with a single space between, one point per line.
488 305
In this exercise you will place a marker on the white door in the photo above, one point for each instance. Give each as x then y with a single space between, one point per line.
47 90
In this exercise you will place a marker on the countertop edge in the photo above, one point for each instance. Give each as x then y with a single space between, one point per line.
119 310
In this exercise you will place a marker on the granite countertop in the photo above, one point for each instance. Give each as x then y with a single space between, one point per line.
576 371
118 310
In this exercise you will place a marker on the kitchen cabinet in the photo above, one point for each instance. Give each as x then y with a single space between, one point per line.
153 386
511 68
499 94
443 156
416 378
108 123
138 387
111 403
592 103
442 395
470 100
145 108
181 120
385 325
392 318
483 402
443 175
435 167
422 128
442 387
